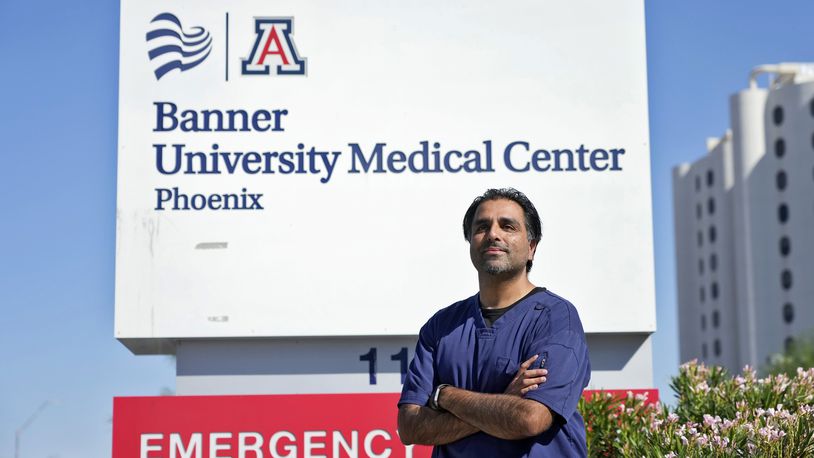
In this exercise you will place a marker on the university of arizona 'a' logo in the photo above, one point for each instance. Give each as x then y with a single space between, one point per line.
171 47
274 47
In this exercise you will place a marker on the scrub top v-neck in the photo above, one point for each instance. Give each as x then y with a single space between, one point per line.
457 347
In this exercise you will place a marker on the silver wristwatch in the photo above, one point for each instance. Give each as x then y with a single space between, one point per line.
433 403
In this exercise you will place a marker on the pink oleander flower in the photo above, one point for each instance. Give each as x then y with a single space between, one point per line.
655 423
771 434
684 367
721 443
711 421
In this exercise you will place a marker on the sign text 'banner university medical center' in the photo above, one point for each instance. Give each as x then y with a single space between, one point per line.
302 168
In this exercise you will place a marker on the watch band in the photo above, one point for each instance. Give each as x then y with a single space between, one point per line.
433 404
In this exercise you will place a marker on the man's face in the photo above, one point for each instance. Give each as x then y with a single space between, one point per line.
499 243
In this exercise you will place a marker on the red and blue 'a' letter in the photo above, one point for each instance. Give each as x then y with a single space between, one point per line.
274 46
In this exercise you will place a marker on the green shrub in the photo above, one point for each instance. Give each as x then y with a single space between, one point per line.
716 415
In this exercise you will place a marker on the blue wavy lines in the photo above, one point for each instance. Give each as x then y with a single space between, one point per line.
160 71
172 33
173 48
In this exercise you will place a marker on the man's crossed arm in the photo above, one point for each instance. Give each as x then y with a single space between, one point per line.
507 415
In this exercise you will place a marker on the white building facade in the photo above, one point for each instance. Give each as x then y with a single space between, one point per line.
744 227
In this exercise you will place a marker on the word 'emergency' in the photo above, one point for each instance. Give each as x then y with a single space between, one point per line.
378 443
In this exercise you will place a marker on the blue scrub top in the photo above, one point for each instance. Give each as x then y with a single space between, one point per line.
456 347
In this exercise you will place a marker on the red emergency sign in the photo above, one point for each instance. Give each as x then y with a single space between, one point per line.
265 426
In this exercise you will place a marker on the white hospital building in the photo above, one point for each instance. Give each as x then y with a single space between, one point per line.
744 226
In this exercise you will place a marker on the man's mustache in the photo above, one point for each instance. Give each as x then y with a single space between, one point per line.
499 246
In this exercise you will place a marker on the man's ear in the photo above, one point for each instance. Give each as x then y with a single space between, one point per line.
532 249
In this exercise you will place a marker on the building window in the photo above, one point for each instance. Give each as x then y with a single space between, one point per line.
781 180
713 262
779 147
702 294
711 206
703 322
704 350
712 234
714 290
697 183
777 115
716 347
700 238
788 343
716 319
783 213
701 266
785 246
710 178
788 313
698 211
785 279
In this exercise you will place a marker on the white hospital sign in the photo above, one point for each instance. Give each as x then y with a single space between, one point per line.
302 168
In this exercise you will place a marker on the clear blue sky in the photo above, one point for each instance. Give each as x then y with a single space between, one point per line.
58 92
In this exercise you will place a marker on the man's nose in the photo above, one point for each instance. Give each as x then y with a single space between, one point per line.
493 233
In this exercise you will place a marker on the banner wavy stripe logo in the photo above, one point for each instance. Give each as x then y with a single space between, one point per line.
173 48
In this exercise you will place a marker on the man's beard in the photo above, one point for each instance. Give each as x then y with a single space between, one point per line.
501 269
504 268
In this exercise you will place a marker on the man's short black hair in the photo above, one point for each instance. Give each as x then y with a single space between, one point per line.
534 228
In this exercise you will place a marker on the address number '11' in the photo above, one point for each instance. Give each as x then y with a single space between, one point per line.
370 357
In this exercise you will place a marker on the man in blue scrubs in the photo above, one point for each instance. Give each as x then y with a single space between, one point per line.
499 374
